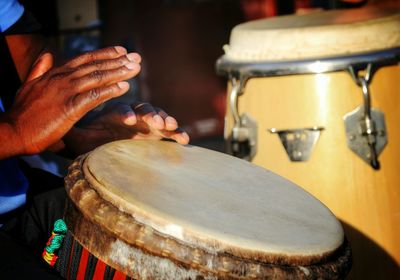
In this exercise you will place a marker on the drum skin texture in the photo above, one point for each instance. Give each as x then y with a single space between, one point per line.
323 34
364 199
128 206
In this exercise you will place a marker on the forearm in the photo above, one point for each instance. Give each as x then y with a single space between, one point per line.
10 143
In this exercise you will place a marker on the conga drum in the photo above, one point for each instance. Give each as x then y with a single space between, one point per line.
315 98
159 210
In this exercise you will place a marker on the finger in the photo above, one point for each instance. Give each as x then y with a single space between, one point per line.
122 113
107 53
146 113
178 135
103 78
101 65
84 102
128 117
170 122
136 57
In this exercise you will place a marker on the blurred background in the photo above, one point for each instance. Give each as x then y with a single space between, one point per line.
179 40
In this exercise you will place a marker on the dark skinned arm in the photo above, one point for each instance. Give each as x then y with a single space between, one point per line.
48 106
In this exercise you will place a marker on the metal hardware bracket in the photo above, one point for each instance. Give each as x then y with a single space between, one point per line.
243 141
298 143
365 127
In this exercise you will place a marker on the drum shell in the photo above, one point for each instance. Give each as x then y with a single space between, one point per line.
366 200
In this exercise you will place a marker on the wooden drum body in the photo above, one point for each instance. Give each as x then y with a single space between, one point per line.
158 210
302 96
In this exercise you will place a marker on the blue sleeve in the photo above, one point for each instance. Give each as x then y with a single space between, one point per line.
10 12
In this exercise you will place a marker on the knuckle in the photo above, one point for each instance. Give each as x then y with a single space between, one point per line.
91 56
93 62
92 66
123 60
77 60
94 94
111 90
75 84
59 76
70 109
122 71
81 68
96 75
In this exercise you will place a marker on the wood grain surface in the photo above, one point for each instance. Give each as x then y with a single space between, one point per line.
366 200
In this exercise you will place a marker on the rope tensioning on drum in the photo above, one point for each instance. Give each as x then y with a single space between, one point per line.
54 242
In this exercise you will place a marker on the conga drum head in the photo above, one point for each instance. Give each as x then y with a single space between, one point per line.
159 210
316 35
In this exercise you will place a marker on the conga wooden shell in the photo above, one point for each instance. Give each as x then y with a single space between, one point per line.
140 251
368 200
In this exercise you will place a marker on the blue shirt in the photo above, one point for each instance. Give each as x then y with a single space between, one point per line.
13 184
10 12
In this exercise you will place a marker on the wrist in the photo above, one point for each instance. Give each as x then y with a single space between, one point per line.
82 140
74 141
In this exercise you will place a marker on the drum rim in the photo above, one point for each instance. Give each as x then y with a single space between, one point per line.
80 218
244 70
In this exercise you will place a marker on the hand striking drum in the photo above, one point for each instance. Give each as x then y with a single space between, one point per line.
159 210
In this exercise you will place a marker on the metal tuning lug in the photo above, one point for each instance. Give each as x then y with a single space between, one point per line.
366 136
244 138
298 143
242 141
365 127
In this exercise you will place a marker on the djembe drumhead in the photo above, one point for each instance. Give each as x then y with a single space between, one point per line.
159 210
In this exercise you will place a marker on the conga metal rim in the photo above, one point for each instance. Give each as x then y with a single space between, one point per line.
247 69
145 238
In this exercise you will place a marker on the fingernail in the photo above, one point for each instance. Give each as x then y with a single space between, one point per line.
130 118
171 123
123 85
131 65
120 49
129 114
132 57
170 120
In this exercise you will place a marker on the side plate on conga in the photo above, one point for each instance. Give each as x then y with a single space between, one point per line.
159 210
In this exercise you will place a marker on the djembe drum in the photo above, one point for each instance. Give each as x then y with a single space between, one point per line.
315 98
159 210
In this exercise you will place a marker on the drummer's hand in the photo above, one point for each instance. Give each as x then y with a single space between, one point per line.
148 122
54 99
122 121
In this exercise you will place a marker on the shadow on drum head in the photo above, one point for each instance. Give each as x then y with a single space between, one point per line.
370 261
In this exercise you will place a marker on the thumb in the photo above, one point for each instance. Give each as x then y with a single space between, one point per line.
41 66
